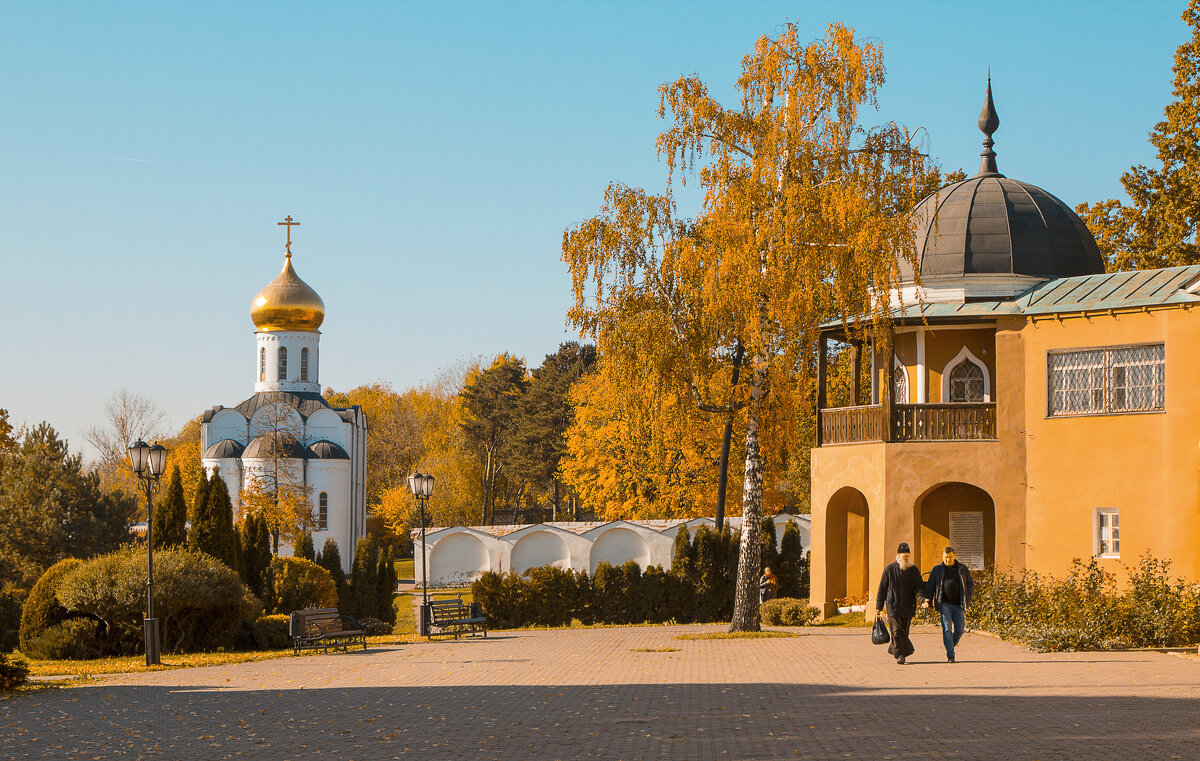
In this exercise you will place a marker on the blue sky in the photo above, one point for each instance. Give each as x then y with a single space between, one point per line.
433 154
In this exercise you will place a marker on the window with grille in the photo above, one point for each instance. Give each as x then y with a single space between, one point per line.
282 363
323 511
966 382
1108 532
304 364
899 385
262 364
1107 380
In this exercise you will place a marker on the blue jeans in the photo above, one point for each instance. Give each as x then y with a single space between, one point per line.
954 621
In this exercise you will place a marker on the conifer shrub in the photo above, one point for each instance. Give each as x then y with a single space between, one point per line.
297 584
488 591
364 586
788 611
212 530
42 608
609 594
271 632
13 671
792 565
12 602
553 596
585 604
657 593
768 555
330 558
199 600
304 547
255 552
385 579
170 514
76 639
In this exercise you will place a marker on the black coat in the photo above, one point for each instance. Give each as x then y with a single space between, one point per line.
899 588
933 590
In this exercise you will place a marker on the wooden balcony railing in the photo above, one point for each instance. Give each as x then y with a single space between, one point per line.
910 422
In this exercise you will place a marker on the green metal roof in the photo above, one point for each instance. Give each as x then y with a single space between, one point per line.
1085 293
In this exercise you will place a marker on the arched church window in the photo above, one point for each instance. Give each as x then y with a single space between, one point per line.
304 364
262 365
282 363
323 511
899 384
966 382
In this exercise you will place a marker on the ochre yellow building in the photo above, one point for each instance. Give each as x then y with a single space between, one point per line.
1030 410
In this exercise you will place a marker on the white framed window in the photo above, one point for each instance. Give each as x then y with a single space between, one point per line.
304 364
1106 380
262 364
282 363
322 511
1107 532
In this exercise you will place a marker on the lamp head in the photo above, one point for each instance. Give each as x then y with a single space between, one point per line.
139 456
414 483
158 459
427 486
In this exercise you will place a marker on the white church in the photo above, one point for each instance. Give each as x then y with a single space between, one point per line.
325 447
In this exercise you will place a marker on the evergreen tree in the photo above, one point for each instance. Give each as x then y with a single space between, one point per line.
386 579
709 574
198 503
213 532
52 508
792 569
331 560
768 554
304 547
364 588
255 544
170 514
490 404
683 555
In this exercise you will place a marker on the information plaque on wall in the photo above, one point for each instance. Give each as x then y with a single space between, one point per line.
966 537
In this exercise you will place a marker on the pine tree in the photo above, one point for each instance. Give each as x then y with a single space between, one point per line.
364 589
385 576
213 532
304 547
170 514
255 544
683 555
197 506
792 565
768 555
331 560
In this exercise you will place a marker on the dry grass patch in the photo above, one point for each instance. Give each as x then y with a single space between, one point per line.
655 650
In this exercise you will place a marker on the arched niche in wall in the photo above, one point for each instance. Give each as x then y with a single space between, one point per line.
457 557
539 548
619 545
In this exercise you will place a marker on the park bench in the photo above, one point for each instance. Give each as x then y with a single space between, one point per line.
452 616
323 628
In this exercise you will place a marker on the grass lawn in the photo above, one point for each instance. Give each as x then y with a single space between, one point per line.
404 569
846 619
406 606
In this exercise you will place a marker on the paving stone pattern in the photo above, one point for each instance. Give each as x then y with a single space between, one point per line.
826 694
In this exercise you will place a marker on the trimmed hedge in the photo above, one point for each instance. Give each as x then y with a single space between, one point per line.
788 611
297 583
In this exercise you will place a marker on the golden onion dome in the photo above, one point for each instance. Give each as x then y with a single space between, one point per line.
287 303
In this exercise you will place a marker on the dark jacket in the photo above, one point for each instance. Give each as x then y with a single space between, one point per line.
899 588
933 588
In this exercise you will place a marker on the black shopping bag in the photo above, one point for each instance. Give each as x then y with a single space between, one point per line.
879 633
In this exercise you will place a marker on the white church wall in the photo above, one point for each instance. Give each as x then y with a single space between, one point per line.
333 478
326 424
266 373
225 424
268 419
230 469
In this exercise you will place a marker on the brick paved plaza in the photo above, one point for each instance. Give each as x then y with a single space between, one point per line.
827 694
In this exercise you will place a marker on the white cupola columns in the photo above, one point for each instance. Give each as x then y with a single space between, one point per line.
287 360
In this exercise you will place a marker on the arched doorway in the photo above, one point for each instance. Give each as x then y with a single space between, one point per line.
539 548
847 539
959 515
457 557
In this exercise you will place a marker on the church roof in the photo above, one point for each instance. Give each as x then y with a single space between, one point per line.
304 402
224 449
267 446
326 450
991 224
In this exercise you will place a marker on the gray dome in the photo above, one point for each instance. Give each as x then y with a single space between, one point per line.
266 447
993 225
326 450
223 450
996 225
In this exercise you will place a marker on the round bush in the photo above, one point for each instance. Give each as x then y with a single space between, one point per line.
74 639
13 672
298 583
199 601
42 608
788 611
271 632
374 627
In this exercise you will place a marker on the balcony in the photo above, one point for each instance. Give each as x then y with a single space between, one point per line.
910 422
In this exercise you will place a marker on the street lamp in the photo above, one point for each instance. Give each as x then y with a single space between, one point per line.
421 487
148 463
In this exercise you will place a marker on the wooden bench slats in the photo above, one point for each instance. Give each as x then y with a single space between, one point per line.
452 616
324 628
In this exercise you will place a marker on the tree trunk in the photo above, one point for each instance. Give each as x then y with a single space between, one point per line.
487 488
554 511
745 600
723 466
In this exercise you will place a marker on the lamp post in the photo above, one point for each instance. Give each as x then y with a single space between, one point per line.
421 487
148 463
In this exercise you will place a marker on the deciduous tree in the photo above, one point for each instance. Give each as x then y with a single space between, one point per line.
805 215
491 401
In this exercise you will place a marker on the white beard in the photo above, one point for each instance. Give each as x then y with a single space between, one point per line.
905 561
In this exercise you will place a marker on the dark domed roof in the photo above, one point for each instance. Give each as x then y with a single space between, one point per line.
266 446
995 225
224 449
326 450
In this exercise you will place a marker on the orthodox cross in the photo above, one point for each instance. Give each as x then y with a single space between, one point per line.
287 221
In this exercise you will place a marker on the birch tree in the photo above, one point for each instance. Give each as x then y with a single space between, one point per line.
805 216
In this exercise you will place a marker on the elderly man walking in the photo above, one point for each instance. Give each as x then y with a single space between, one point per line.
949 587
899 588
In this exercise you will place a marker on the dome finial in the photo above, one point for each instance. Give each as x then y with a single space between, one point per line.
289 223
989 122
